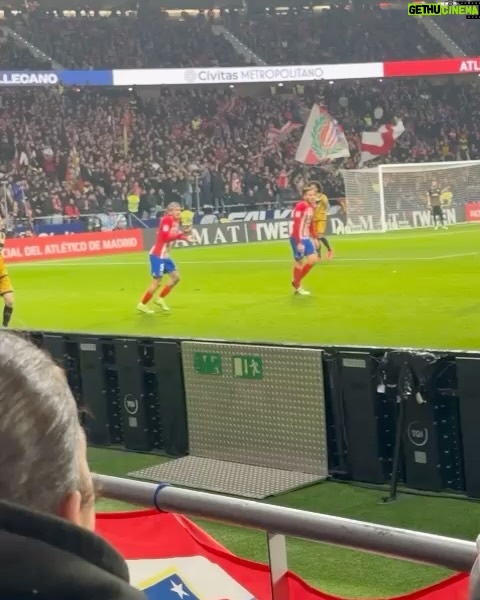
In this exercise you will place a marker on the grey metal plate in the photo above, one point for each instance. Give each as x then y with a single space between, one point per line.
277 421
225 477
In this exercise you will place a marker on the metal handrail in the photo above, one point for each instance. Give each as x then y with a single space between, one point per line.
454 554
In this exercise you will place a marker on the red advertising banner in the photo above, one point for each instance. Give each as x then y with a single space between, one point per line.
439 66
73 246
472 211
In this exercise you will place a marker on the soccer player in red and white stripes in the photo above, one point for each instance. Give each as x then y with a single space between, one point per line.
160 262
303 239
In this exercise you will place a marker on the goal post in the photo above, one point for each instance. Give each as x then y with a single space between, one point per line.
389 197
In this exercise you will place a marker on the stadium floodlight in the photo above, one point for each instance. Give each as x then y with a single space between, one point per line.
394 196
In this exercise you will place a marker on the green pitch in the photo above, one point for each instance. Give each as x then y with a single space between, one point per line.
417 288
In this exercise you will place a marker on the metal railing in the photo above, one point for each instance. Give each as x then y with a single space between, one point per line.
278 522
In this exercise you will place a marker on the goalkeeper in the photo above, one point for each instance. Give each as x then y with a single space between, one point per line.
320 217
434 195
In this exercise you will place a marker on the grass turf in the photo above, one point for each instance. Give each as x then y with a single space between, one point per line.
416 289
335 570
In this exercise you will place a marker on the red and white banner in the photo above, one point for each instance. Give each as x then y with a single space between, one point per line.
170 557
73 246
380 142
472 211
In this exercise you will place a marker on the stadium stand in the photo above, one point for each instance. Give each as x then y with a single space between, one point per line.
64 149
14 57
463 32
334 36
61 147
305 38
126 42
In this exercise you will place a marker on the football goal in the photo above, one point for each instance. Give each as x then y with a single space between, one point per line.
395 196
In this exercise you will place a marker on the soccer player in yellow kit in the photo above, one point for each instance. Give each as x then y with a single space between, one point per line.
6 289
320 217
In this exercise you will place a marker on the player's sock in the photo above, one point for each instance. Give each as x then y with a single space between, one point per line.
297 276
7 315
326 243
146 297
165 291
306 269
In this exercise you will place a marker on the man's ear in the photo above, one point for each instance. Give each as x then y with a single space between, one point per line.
70 508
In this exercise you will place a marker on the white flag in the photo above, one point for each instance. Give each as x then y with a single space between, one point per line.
380 142
323 139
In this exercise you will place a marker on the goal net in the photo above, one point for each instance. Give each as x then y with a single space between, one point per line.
395 196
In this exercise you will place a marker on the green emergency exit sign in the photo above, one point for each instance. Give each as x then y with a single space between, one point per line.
207 363
247 367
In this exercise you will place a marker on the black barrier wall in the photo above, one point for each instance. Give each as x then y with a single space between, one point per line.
130 391
390 413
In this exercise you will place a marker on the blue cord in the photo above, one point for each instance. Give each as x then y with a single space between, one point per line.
159 488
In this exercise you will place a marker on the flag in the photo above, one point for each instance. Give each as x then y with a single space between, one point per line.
73 167
127 120
229 104
168 556
323 139
380 142
30 6
275 135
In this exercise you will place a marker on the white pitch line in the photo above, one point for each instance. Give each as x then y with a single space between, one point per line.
409 258
404 234
71 264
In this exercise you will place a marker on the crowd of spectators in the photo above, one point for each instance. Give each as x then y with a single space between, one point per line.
335 35
462 31
127 41
70 152
64 152
13 56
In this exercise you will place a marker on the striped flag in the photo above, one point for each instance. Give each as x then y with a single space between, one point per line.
275 135
323 139
380 142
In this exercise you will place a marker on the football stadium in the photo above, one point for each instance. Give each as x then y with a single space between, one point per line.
239 255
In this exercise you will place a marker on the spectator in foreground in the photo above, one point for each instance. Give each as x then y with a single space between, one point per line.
47 511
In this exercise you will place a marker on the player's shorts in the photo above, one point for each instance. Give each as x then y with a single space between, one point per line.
161 266
437 211
320 227
308 248
5 284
